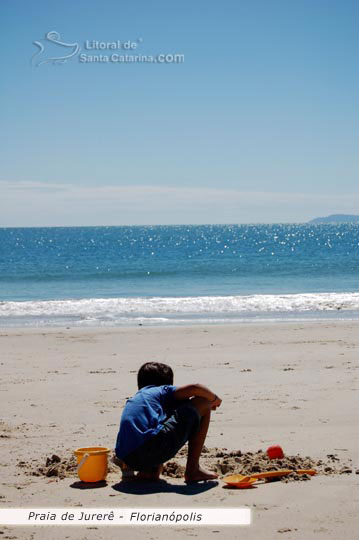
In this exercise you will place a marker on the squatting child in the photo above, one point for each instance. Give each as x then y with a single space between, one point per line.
160 418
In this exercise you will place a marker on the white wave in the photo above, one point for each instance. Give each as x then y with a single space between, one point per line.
162 308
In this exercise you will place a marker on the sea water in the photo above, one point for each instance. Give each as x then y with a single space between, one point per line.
178 274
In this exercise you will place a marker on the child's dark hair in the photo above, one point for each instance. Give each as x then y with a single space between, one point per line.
154 373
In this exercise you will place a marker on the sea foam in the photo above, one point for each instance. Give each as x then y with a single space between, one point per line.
159 310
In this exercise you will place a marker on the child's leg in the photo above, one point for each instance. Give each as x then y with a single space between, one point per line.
194 472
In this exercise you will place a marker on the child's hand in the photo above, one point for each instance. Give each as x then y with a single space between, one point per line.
216 403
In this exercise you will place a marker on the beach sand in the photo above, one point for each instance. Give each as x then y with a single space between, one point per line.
290 384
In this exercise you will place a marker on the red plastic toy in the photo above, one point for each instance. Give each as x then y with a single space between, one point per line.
275 452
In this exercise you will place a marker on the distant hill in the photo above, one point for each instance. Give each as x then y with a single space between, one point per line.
336 218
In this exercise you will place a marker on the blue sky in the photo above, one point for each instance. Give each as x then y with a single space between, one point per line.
260 123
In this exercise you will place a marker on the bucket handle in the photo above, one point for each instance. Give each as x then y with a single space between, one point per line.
82 462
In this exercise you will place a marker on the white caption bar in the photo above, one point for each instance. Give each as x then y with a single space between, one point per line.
125 516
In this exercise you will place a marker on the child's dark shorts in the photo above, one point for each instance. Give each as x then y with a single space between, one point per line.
176 431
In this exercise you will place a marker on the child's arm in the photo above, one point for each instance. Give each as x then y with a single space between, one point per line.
196 390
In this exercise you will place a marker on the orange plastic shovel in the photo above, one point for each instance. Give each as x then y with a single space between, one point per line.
282 472
241 481
271 474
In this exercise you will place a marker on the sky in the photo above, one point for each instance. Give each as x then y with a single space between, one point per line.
258 123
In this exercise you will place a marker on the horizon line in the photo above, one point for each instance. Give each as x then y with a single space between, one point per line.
173 225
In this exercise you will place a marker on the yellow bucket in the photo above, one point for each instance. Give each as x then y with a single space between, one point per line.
92 463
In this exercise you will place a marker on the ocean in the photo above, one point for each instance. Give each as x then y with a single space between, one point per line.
148 275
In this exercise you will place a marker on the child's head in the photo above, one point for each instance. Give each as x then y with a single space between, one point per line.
154 373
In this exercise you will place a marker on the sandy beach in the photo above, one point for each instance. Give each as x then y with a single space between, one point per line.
290 384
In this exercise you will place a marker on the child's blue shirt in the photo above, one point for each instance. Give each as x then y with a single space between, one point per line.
143 417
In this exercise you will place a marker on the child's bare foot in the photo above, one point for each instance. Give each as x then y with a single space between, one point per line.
150 476
198 475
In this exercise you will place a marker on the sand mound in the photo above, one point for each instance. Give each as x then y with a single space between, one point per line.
172 469
220 460
56 466
226 462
